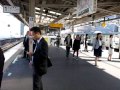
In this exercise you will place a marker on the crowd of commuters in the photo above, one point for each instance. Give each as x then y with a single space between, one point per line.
74 44
40 60
97 46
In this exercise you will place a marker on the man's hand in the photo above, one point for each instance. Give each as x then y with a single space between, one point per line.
30 64
30 53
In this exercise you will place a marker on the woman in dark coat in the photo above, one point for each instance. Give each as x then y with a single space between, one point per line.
76 45
2 58
68 42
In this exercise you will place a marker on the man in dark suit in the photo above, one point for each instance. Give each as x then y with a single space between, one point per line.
68 42
39 60
26 44
2 58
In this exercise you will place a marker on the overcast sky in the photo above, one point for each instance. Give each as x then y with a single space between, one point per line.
8 19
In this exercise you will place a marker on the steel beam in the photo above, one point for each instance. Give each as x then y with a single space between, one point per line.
56 5
108 11
108 3
38 5
51 5
99 4
58 11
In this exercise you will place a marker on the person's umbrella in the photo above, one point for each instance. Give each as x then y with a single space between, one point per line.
97 32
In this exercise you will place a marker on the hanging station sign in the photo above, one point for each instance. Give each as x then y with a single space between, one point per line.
86 7
11 9
31 21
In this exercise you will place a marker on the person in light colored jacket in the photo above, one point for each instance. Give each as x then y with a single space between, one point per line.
97 47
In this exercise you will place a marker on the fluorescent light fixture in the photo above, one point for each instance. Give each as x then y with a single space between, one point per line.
51 19
54 16
37 13
52 12
49 15
42 17
58 14
43 14
37 8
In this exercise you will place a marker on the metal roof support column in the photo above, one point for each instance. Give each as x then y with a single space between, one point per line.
32 8
31 13
41 10
31 22
73 34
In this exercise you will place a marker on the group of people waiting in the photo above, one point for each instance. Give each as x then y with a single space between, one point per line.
97 46
40 53
75 46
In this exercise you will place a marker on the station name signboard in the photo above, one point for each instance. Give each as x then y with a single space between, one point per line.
31 21
86 7
11 9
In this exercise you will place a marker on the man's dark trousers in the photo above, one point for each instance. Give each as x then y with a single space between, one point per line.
37 82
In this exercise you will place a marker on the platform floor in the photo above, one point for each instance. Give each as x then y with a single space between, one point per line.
65 74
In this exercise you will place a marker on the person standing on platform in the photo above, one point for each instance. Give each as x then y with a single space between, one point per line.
68 42
97 47
58 41
26 44
86 43
2 58
110 51
39 60
76 45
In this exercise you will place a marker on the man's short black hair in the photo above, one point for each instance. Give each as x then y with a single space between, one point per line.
35 29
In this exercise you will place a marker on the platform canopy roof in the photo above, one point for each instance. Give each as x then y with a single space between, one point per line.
47 11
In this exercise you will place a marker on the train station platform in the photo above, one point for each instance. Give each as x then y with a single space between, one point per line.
65 74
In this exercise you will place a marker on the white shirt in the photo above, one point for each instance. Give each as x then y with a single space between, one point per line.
100 43
110 42
39 39
36 43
